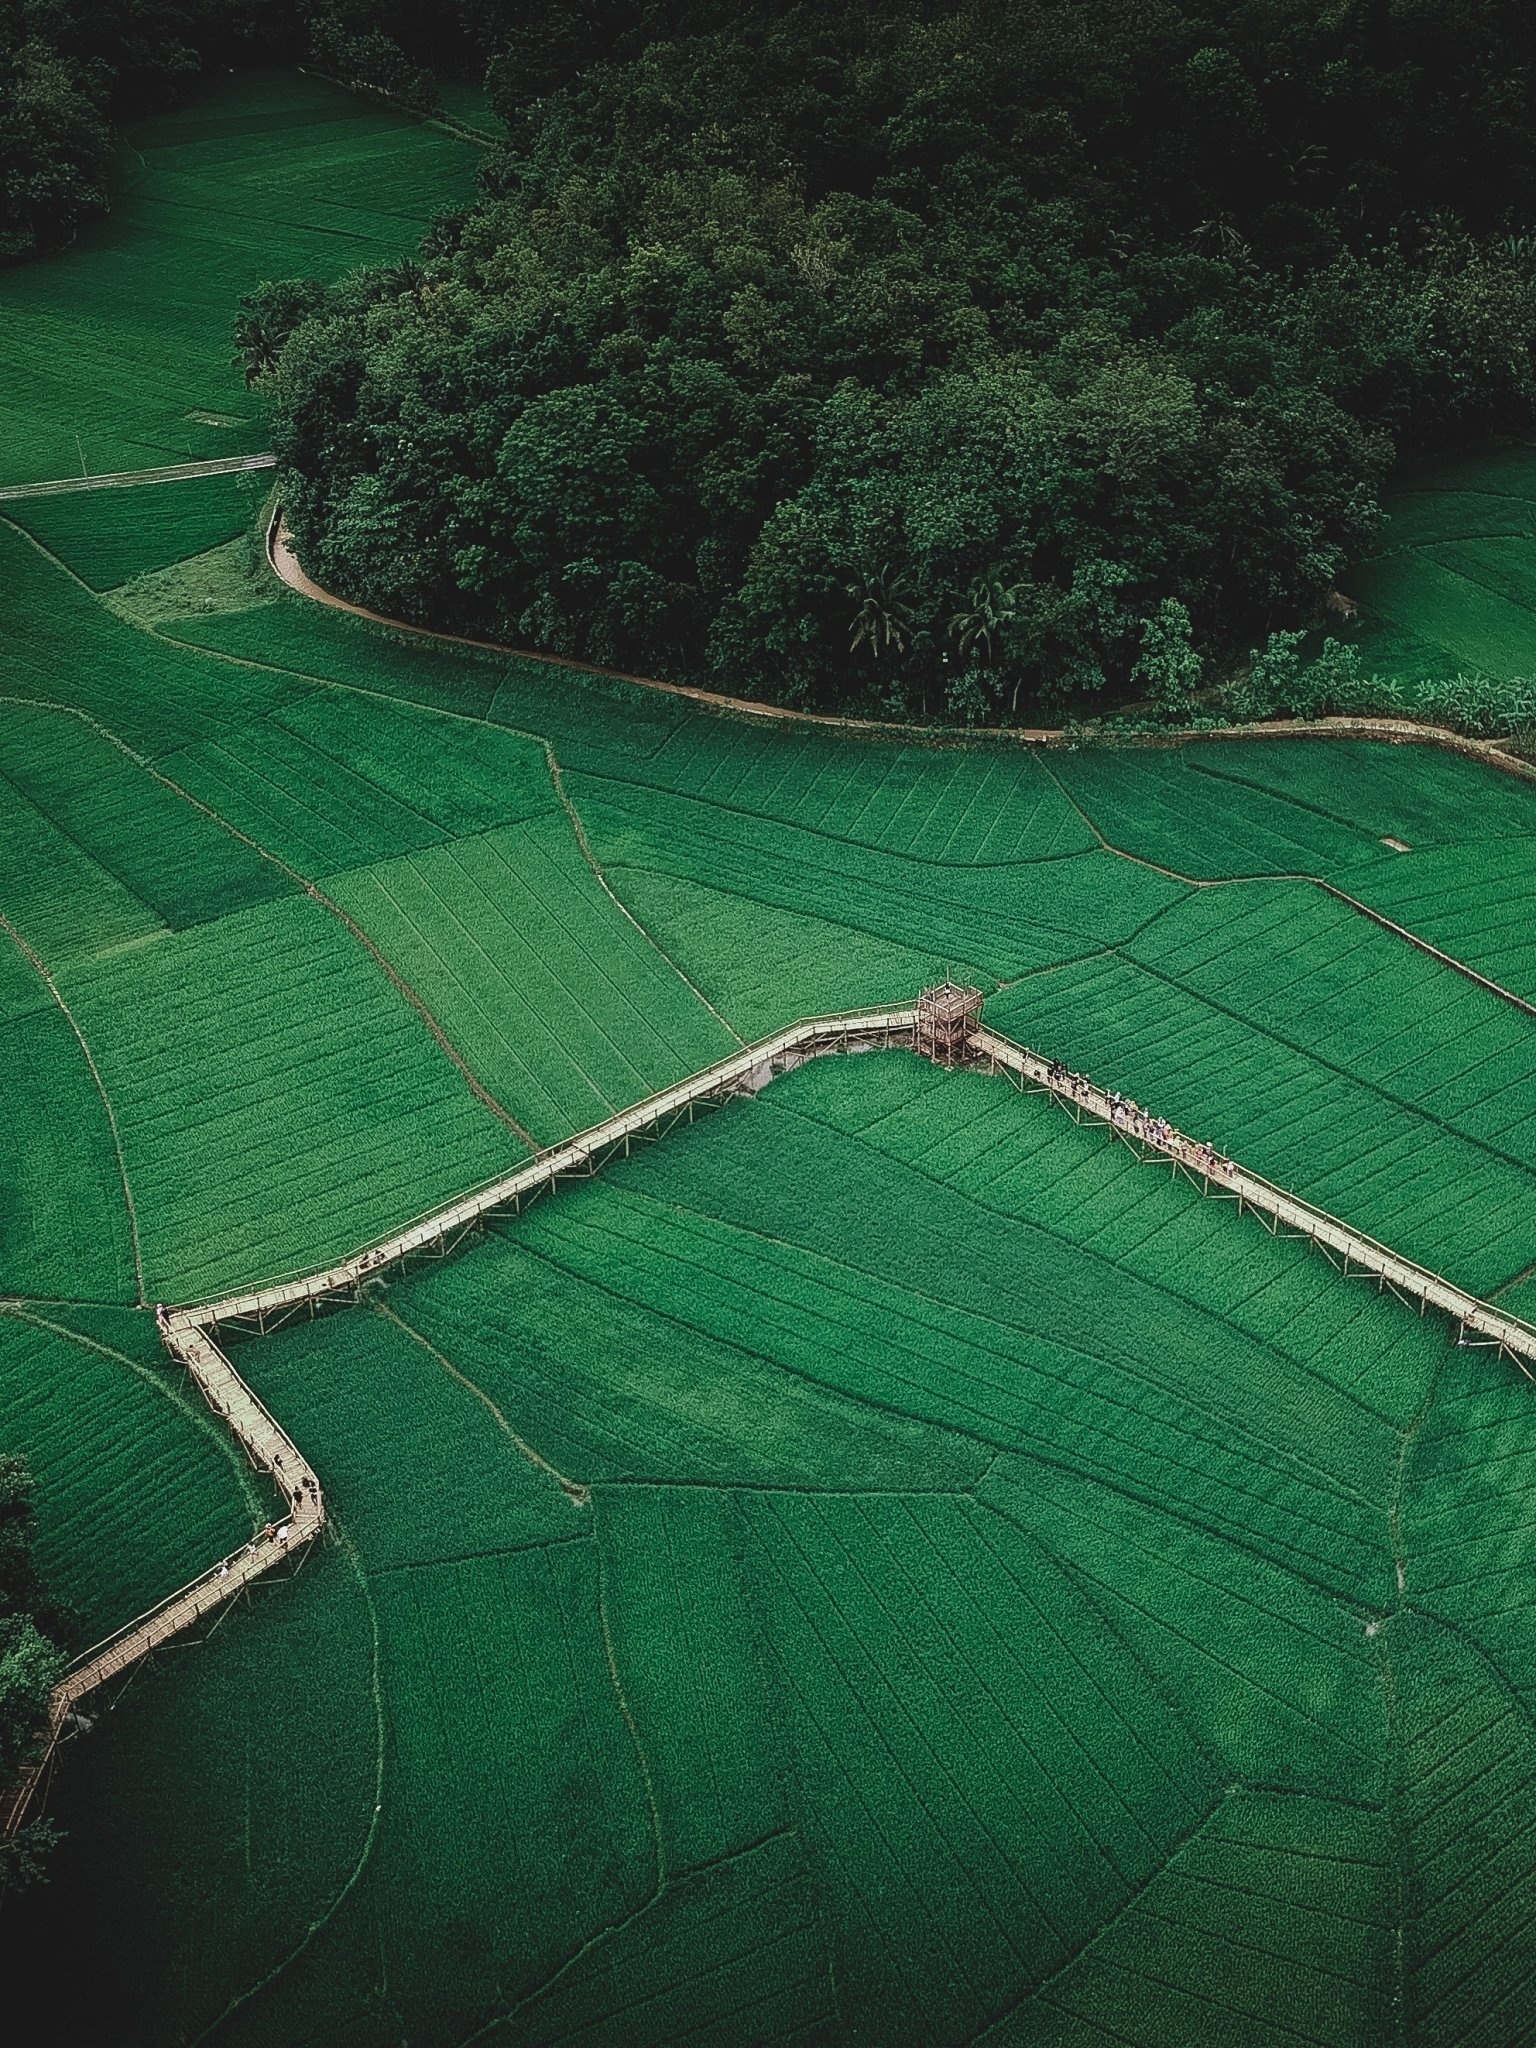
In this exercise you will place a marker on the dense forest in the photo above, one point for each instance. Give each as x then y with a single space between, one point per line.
957 360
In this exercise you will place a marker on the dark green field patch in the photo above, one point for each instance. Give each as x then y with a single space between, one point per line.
106 537
179 863
137 1485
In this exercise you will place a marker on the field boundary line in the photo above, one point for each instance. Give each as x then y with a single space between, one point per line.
101 1089
286 567
189 1332
1377 917
125 479
306 887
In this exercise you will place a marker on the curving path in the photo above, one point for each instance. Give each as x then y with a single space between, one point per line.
188 1332
1396 731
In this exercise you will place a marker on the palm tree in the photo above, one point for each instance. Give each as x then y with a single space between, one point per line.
883 620
990 603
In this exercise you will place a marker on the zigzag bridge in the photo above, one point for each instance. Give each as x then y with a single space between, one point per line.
944 1025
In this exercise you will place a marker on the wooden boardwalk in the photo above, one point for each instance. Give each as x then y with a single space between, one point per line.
189 1332
1283 1214
272 1451
578 1158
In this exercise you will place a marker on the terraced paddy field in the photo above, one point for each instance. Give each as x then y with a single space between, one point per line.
882 1565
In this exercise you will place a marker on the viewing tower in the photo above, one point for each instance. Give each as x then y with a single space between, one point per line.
946 1017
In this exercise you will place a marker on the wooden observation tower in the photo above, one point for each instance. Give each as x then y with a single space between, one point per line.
946 1017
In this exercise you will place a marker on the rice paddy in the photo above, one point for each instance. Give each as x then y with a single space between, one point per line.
881 1565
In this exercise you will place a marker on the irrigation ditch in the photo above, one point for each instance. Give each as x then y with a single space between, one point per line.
943 1025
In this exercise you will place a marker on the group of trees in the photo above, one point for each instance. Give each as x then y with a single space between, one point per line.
31 1661
915 355
902 355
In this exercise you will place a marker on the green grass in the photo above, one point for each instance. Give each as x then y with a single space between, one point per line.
881 1565
124 338
107 538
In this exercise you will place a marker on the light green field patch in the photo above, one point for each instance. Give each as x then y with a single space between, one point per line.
64 1224
1422 794
1159 805
65 647
278 1100
1006 920
954 806
564 1009
1471 901
764 966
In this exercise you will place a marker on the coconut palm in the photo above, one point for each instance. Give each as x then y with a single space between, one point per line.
883 621
990 604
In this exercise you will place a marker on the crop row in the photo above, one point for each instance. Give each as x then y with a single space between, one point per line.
106 537
135 1486
989 1776
1411 1179
181 865
960 807
64 1226
565 1010
1007 920
278 1101
1272 1923
1000 1330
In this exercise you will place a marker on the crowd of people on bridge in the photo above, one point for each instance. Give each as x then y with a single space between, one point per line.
1128 1116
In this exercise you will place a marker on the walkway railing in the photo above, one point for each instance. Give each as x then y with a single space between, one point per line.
1283 1213
576 1158
188 1332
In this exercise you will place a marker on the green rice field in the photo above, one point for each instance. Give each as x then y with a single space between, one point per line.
881 1565
122 340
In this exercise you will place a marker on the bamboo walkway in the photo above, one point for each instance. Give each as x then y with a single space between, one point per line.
188 1332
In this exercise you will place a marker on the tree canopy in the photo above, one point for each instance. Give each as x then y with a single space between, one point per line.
914 357
31 1662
